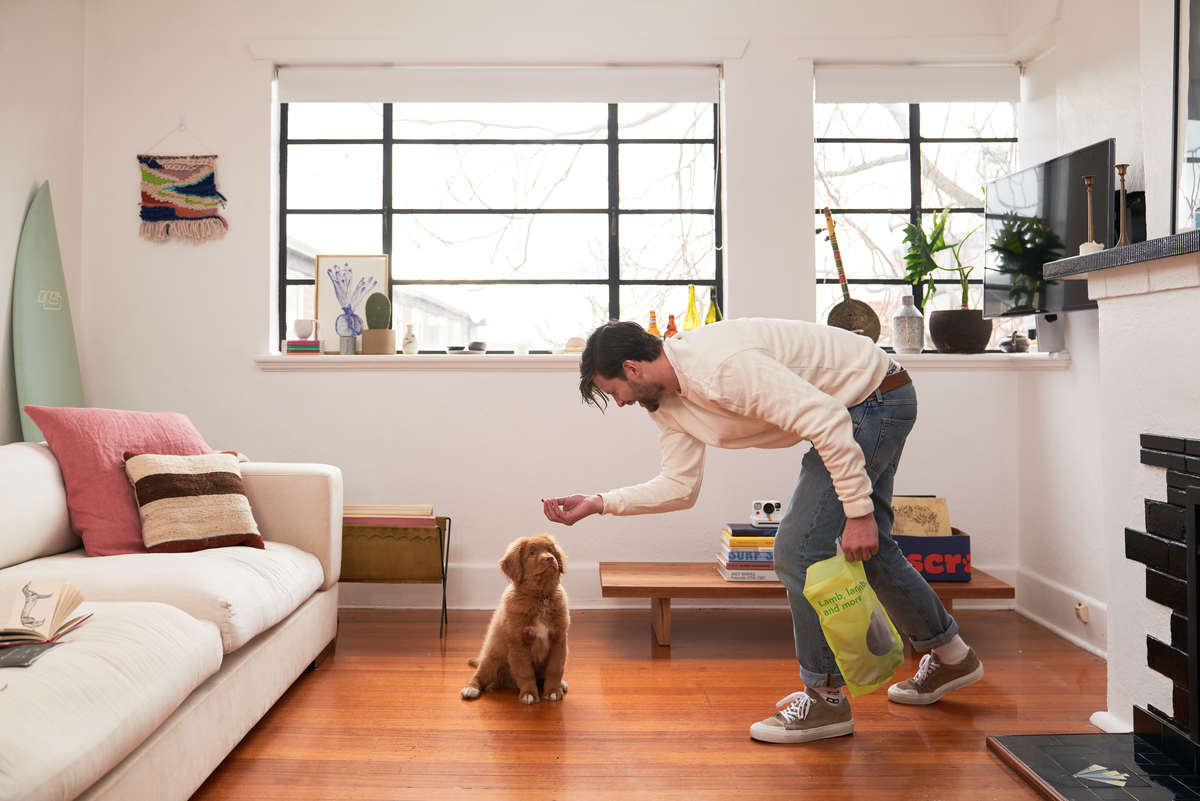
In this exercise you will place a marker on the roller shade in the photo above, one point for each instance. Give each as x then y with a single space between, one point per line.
499 84
899 83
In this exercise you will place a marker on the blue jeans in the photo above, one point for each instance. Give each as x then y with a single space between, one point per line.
815 518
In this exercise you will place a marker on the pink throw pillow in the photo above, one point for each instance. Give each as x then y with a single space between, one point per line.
90 446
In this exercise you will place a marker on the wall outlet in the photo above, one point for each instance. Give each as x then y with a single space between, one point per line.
1082 612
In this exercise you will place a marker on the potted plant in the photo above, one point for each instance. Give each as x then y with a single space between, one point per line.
961 330
1023 245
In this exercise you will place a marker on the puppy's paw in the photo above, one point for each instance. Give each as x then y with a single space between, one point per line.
564 686
554 695
470 692
529 698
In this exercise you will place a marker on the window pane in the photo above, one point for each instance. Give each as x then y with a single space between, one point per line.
883 298
656 246
500 177
862 176
335 234
544 317
976 120
638 301
872 245
490 246
335 177
500 120
300 303
335 120
954 173
861 120
667 176
665 121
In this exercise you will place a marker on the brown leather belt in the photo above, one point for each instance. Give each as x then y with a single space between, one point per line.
894 381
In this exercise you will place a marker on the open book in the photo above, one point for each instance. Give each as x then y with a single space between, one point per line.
37 610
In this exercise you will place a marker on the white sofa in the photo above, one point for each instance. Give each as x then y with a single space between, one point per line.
184 652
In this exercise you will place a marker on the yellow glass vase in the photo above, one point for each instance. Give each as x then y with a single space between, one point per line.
691 317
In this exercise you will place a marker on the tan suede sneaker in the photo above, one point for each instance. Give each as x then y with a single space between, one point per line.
807 716
934 679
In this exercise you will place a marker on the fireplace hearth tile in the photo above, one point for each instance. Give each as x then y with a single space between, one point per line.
1160 443
1165 520
1171 461
1048 763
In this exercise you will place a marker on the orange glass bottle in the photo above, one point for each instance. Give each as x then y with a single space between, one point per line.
671 329
653 327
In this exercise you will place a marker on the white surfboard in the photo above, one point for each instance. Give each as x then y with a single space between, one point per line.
43 337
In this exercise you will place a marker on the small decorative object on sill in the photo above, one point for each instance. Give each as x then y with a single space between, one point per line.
304 327
691 316
309 346
853 315
477 346
180 198
908 327
671 329
1017 343
653 327
714 311
1091 245
379 338
409 343
346 345
1124 240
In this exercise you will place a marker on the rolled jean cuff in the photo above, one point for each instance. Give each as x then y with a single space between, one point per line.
941 639
812 679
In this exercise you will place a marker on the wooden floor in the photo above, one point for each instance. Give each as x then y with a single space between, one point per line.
382 718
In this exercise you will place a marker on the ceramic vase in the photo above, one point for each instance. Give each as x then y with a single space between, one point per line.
908 327
409 343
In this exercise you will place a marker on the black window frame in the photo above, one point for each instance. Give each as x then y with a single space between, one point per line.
915 210
612 210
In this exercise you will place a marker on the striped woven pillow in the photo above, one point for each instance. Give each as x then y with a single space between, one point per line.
190 503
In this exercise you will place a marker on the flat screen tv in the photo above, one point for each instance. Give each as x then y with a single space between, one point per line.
1039 214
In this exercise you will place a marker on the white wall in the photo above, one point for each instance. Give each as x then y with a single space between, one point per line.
1100 79
41 93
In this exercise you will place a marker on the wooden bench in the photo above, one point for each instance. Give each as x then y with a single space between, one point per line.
662 581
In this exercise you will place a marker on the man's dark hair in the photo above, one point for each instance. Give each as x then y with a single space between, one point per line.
607 349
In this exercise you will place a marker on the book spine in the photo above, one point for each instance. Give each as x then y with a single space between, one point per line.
752 542
742 530
747 575
767 555
394 522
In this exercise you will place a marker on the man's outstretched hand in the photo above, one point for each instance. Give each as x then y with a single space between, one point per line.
572 508
860 538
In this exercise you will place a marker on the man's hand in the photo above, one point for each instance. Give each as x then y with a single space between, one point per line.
571 509
860 538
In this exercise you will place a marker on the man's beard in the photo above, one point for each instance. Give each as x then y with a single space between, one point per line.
648 395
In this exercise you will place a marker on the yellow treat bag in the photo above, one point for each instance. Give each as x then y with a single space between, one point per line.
864 642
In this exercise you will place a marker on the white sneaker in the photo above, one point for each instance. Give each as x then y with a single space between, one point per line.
934 679
806 717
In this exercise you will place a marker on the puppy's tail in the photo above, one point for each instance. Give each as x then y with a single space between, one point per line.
473 662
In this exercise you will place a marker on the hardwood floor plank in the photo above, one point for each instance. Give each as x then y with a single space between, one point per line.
382 718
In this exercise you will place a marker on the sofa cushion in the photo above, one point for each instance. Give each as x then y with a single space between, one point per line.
90 445
85 704
191 503
242 590
33 505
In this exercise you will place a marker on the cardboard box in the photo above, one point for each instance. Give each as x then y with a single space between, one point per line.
939 558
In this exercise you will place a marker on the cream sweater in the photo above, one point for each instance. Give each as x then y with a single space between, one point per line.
759 383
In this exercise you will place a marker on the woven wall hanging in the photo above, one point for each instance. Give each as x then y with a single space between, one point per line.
180 198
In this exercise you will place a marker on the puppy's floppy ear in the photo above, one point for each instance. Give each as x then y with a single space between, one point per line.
512 565
558 554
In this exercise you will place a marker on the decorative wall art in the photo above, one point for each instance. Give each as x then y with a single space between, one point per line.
180 198
343 284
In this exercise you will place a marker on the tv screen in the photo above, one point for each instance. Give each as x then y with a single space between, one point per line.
1040 214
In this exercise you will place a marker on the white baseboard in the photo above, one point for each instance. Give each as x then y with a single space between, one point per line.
1051 604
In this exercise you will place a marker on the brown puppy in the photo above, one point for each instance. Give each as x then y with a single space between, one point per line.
526 642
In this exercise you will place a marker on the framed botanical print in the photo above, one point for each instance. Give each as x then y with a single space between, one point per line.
343 285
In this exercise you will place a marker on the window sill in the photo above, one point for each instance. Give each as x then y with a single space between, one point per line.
569 362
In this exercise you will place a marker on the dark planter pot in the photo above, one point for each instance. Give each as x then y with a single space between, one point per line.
959 330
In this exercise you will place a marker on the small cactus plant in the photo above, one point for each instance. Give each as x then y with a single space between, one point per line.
379 311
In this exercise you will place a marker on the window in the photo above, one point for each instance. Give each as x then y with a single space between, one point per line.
880 166
509 222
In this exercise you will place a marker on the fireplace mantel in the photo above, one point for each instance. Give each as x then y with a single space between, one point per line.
1169 262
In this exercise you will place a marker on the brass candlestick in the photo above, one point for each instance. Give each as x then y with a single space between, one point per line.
1124 240
1087 181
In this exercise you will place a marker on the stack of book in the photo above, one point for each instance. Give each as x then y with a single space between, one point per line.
301 346
747 553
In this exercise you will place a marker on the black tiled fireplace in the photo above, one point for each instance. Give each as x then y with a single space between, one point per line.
1161 758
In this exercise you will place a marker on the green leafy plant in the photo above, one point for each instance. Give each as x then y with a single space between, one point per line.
1023 245
923 248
